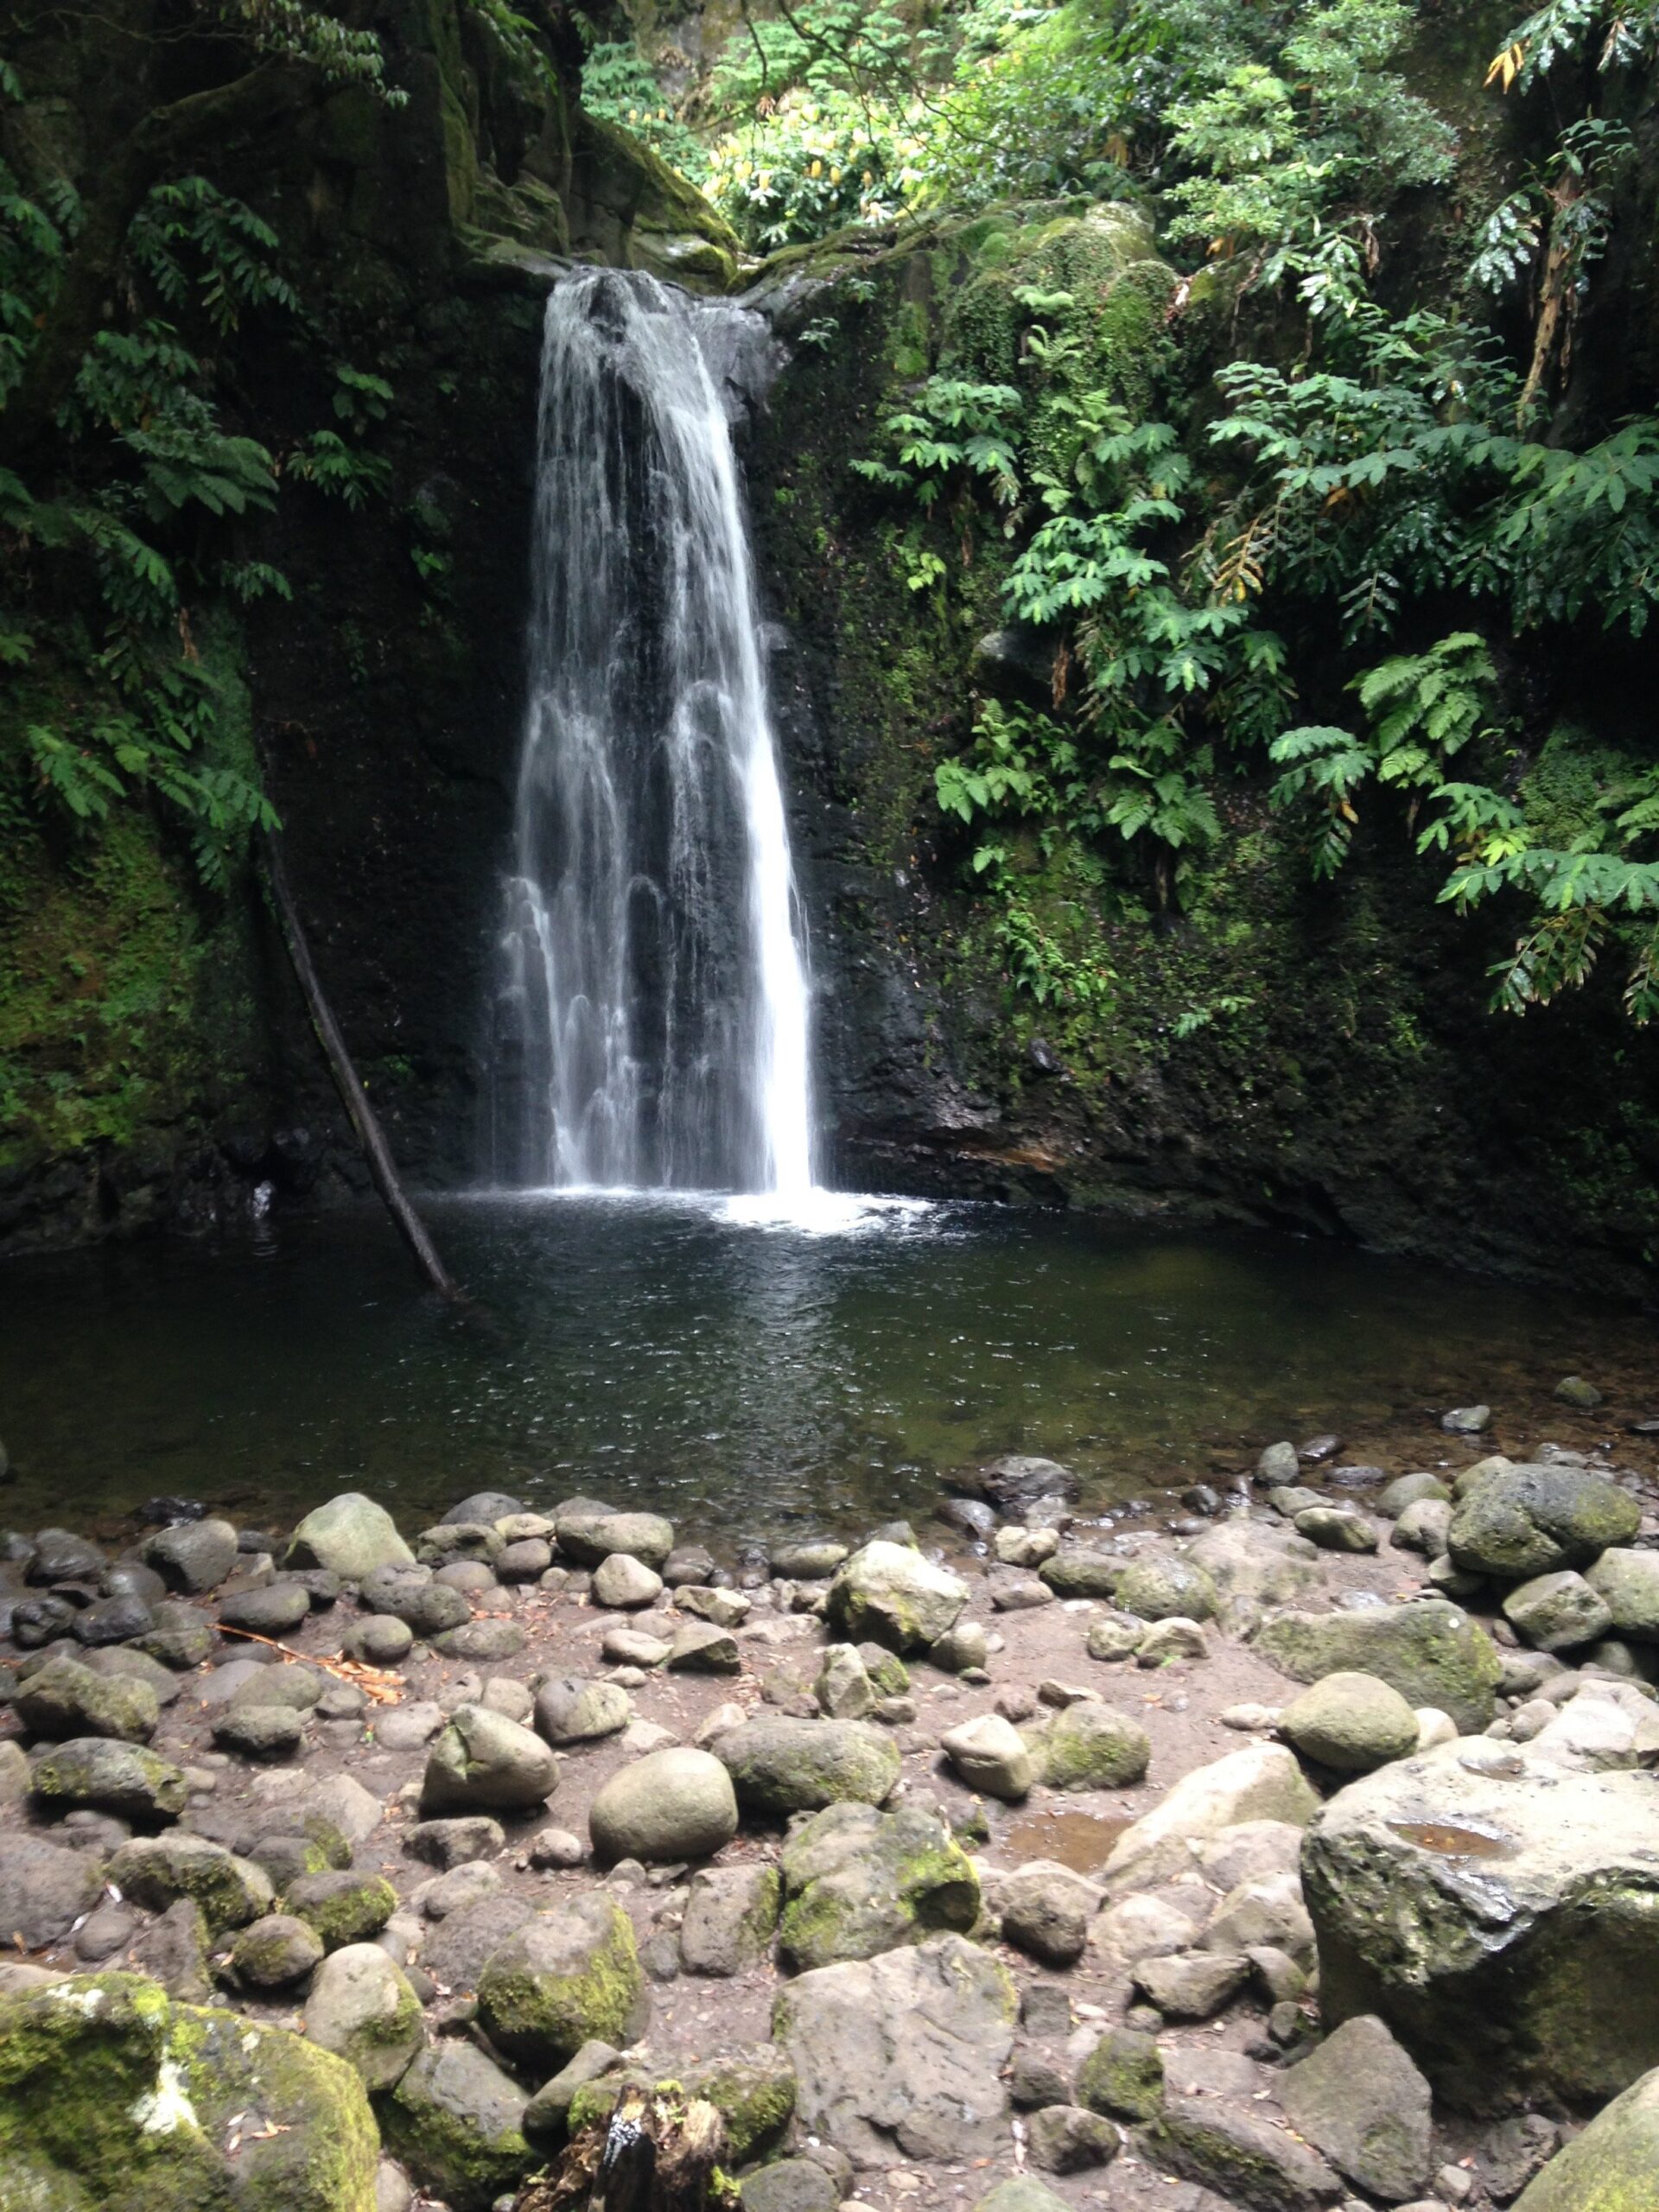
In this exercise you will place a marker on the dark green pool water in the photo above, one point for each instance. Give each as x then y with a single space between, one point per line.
748 1379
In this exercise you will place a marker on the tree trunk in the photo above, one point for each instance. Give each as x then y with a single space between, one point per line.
354 1099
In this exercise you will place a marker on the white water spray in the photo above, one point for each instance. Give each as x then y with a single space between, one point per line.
652 1019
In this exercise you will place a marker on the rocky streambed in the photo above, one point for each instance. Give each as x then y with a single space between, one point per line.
1300 1852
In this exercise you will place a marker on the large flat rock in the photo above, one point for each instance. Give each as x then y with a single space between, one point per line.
1501 1913
899 2056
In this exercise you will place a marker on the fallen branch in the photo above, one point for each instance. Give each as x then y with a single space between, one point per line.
347 1082
378 1684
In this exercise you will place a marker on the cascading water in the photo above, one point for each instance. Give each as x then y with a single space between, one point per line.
651 1023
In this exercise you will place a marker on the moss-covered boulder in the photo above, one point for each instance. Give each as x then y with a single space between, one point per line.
1501 1914
1612 2166
799 1766
1350 1722
1524 1521
890 1592
589 1535
64 1699
157 1871
276 1952
753 2092
1089 1746
564 1978
1166 1589
346 1906
115 2099
456 2121
1122 2076
136 1784
1627 1582
857 1881
362 2008
1429 1650
352 1535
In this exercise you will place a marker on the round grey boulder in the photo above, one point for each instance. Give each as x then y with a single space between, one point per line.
671 1805
1351 1722
352 1535
484 1762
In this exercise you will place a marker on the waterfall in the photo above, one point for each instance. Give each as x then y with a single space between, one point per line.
651 1016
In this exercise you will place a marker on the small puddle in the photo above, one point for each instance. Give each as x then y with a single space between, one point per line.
1079 1841
1449 1840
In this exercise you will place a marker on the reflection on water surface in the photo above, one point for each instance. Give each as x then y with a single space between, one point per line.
744 1373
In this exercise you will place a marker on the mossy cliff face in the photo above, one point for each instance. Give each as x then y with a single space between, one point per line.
155 1063
1263 1048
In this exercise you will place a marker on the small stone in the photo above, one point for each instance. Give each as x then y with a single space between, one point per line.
556 1847
1115 1636
483 1640
351 1534
193 1555
273 1610
275 1952
962 1648
630 1647
360 2008
380 1640
1359 2100
1173 1638
1555 1611
731 1914
1067 2139
1192 1987
1337 1529
1122 2076
700 1648
1046 1910
844 1688
260 1731
573 1709
626 1583
1573 1390
348 1905
990 1755
1090 1747
456 1843
484 1763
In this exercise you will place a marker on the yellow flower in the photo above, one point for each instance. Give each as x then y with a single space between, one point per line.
834 176
818 168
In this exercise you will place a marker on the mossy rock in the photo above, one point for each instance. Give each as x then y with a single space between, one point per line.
859 1882
344 1907
1611 2166
456 2121
1090 1747
115 2099
754 2096
63 1697
126 1779
565 1978
1429 1650
1527 1521
1166 1589
800 1766
1122 2076
154 1872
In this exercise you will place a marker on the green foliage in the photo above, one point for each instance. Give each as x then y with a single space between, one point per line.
134 532
953 431
619 85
